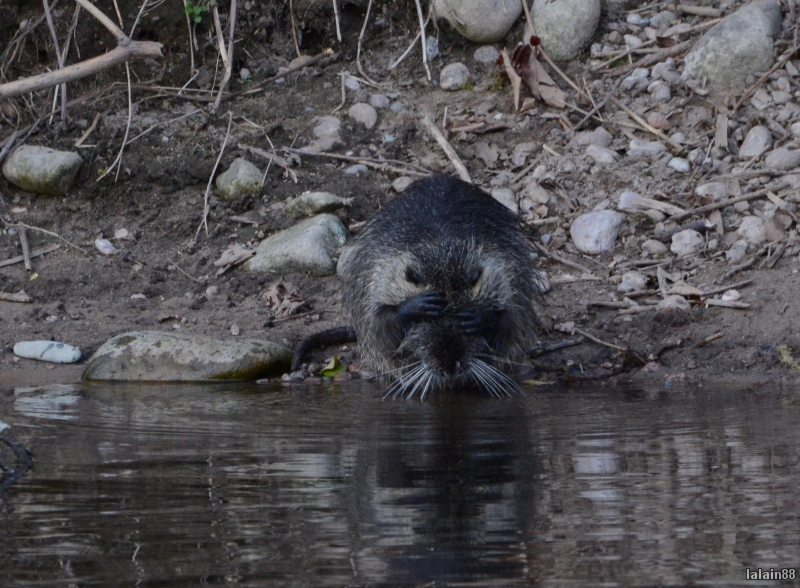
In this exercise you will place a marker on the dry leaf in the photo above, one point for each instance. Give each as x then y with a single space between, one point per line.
283 299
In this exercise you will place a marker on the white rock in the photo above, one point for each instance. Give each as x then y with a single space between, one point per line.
752 230
480 21
756 142
358 168
632 41
105 246
536 193
660 91
796 129
486 54
602 155
639 148
565 27
51 351
454 76
402 183
633 18
326 134
672 303
731 295
506 197
42 170
712 191
679 164
635 77
663 19
687 242
654 248
363 113
737 47
351 83
241 179
379 101
736 253
782 158
595 232
632 282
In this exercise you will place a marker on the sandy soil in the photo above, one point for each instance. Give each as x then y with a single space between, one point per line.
83 298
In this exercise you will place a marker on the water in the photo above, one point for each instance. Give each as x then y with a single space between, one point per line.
332 486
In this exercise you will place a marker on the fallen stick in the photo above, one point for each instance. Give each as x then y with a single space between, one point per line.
600 341
708 340
778 64
34 253
26 250
447 148
412 167
654 58
649 128
718 205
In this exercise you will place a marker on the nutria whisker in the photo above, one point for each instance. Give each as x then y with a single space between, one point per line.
488 376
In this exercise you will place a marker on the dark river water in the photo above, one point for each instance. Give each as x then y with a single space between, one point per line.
333 486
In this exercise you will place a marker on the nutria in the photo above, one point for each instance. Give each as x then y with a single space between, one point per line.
441 286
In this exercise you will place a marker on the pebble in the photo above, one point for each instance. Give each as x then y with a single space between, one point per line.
311 203
686 243
397 107
152 356
654 248
639 148
358 168
660 91
241 179
326 134
565 27
454 76
679 164
632 282
307 247
796 129
51 351
105 247
632 41
663 19
635 77
756 142
42 170
752 230
480 21
633 18
363 113
658 120
596 232
351 83
782 158
736 253
507 198
486 54
379 101
602 155
402 183
673 303
712 191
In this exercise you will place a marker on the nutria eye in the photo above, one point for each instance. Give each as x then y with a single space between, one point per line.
474 275
413 276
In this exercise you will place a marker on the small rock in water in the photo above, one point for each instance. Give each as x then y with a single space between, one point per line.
679 164
364 114
454 76
687 242
595 232
51 351
756 142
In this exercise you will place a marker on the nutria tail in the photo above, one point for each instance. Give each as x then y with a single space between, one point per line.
334 336
441 287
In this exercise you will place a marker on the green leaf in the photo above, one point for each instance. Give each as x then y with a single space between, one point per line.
333 368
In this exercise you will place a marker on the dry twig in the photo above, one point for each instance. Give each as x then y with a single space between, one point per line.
204 221
447 148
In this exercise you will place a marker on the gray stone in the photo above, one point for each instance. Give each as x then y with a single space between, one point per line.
326 134
454 76
736 253
42 170
752 230
480 21
379 101
595 232
712 191
634 78
51 351
737 47
601 155
687 242
241 179
565 27
486 54
632 282
311 203
679 164
663 19
402 183
308 247
654 248
638 148
783 158
363 113
150 356
660 91
506 197
358 168
756 142
673 303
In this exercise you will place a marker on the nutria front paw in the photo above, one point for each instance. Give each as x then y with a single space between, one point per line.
427 306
